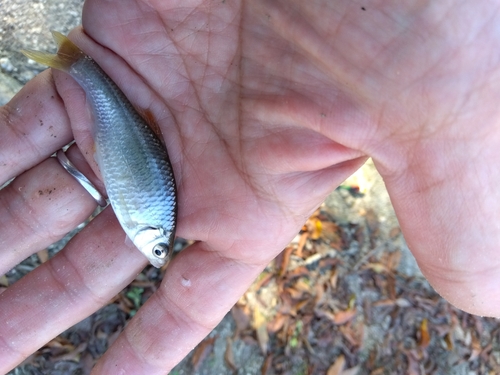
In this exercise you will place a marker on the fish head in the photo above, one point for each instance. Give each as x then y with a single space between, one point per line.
156 244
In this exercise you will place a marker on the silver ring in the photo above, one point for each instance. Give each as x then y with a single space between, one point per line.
82 180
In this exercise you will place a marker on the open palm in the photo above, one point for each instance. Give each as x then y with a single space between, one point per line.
265 108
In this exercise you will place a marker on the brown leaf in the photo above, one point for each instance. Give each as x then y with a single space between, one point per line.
424 337
343 317
337 367
267 365
202 351
241 316
262 338
229 355
277 323
353 334
338 318
377 267
298 272
351 371
301 244
449 341
372 220
394 232
303 285
475 346
263 280
43 255
314 227
331 233
4 281
260 325
285 260
394 260
334 279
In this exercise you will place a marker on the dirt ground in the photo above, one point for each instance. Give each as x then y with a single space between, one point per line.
344 297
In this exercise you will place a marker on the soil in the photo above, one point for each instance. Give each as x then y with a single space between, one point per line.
345 297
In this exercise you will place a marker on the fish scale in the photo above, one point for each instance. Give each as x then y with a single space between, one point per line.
132 160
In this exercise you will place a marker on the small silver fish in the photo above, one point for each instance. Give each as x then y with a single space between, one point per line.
133 161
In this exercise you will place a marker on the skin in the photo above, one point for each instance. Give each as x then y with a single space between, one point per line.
265 106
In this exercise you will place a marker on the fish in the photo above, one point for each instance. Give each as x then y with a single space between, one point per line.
133 161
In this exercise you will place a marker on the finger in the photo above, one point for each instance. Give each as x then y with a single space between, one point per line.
40 207
95 265
198 290
33 125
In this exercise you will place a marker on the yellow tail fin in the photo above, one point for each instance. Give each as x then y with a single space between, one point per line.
66 55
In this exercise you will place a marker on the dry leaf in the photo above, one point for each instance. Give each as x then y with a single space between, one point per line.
449 341
394 232
303 285
241 316
334 279
338 318
343 317
475 346
337 367
302 243
43 255
260 326
377 267
4 281
277 323
394 260
351 371
318 229
424 337
202 351
285 260
229 355
262 338
267 365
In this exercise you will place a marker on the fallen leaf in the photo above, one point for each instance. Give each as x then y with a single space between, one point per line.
260 325
202 351
337 367
4 281
277 323
262 338
301 244
338 318
351 371
266 366
424 336
43 255
263 280
393 260
285 260
241 316
475 346
377 267
314 227
229 355
343 317
449 341
334 279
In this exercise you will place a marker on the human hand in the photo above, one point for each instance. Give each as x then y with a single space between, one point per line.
265 108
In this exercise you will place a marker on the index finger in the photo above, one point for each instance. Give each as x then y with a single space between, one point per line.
34 125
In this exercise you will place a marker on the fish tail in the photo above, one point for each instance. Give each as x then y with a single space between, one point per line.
67 54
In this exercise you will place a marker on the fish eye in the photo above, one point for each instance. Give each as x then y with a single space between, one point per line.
160 250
